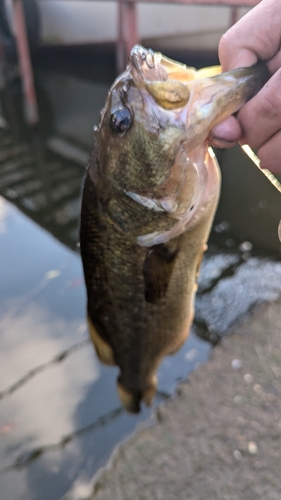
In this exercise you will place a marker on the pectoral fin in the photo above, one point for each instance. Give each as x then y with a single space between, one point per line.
157 271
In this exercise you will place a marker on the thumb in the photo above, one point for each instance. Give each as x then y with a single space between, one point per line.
255 36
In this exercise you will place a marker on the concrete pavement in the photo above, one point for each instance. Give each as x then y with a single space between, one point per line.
220 437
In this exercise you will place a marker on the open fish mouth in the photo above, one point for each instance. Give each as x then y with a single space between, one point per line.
202 97
154 66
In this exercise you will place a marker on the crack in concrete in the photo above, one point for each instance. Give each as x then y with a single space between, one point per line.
43 367
26 458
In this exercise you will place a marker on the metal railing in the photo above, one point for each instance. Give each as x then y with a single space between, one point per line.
127 37
128 21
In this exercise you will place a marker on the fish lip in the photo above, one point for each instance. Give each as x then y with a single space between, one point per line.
139 55
146 65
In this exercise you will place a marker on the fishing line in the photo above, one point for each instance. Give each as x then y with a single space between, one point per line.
250 153
265 172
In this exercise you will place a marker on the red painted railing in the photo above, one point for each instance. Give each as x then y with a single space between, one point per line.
228 3
127 37
30 108
128 23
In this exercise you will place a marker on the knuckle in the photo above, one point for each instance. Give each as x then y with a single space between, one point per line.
270 153
271 98
224 49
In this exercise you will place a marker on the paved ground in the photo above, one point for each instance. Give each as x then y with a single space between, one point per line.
220 437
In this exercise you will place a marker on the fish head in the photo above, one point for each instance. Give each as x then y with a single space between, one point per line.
152 139
137 139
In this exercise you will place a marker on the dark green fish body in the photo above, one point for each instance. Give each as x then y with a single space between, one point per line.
149 198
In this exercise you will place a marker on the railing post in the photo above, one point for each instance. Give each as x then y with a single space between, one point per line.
233 16
120 50
132 26
127 31
31 109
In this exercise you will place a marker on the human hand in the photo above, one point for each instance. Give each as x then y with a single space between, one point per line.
256 36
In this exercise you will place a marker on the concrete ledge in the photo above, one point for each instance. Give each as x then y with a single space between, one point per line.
220 438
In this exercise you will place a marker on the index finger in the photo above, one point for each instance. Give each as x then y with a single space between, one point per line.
256 36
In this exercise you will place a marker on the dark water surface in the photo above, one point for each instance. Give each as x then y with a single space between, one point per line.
60 416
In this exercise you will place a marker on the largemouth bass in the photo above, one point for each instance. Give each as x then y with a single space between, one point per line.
149 199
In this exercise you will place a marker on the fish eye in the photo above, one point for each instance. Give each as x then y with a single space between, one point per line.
120 120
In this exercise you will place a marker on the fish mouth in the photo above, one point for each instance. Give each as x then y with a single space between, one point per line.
199 98
154 66
147 62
